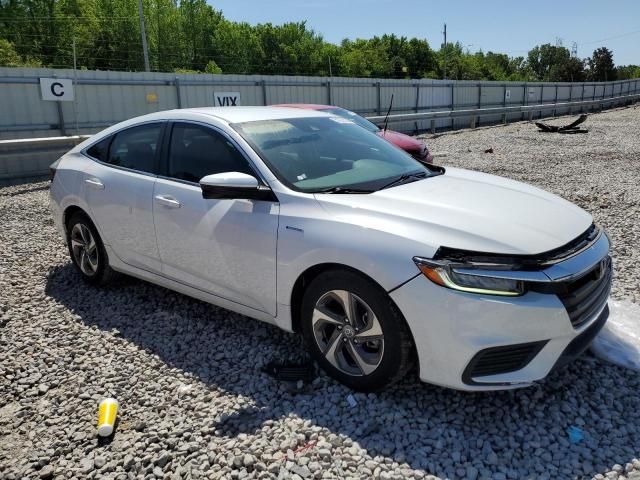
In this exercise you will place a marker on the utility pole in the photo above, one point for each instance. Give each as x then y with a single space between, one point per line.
143 34
330 66
75 83
445 51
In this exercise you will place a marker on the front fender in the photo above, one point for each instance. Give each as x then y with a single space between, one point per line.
304 243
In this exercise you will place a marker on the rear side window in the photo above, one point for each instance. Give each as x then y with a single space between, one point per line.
99 150
136 148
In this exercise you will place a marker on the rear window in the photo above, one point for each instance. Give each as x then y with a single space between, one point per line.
354 117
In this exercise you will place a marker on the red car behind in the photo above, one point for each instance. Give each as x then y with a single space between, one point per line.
415 148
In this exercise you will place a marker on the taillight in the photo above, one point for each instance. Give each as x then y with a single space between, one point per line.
52 169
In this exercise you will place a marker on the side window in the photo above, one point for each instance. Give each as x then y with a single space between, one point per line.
99 150
136 148
197 151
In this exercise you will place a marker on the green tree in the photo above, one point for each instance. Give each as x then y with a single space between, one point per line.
237 47
573 70
191 35
198 22
167 49
291 48
547 61
8 55
601 68
627 72
419 57
360 58
212 67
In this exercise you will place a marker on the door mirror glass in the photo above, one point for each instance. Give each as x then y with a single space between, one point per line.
234 185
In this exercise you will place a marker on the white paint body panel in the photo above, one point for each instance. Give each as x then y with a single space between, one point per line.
247 255
453 326
124 211
467 210
226 247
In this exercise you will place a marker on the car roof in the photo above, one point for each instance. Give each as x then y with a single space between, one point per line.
306 106
249 114
226 114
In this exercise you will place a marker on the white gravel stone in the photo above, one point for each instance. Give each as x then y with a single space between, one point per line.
65 345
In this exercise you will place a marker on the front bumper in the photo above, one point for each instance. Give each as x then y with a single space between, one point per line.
461 337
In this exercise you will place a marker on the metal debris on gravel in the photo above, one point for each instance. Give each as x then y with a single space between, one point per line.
194 403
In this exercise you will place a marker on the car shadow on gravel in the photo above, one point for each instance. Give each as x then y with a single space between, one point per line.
517 434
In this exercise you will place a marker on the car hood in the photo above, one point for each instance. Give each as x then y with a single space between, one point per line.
403 141
465 210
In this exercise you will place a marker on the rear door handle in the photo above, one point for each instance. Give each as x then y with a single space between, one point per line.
94 183
167 201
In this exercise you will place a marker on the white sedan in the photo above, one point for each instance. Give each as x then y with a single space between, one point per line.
307 221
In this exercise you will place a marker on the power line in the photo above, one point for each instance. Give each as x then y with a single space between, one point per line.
612 38
622 35
67 17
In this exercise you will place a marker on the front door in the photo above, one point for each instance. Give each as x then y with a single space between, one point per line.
224 246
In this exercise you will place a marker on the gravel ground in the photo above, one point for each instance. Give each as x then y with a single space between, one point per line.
195 405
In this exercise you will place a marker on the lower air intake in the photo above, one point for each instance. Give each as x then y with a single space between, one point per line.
498 360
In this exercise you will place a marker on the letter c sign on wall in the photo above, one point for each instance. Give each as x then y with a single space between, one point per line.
56 89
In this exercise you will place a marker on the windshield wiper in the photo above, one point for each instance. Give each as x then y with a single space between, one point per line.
404 179
342 190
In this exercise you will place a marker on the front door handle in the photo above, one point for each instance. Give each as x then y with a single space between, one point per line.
167 201
94 183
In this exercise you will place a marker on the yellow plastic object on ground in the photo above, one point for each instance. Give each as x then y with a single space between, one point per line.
107 411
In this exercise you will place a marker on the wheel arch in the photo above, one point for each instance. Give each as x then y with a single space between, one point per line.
69 212
307 276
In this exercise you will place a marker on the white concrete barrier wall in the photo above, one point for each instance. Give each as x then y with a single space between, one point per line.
103 98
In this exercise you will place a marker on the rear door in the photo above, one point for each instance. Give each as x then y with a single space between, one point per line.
223 246
119 190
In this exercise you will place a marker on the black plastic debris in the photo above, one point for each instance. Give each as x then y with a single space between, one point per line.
290 371
570 128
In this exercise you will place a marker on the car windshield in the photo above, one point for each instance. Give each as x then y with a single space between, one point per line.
317 154
363 122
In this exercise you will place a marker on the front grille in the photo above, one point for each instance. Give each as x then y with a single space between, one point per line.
504 359
584 297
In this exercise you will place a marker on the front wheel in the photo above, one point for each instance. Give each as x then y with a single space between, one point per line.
355 332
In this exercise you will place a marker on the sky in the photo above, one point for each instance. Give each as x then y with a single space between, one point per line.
498 25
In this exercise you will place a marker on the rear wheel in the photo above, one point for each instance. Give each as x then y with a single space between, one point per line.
355 332
87 250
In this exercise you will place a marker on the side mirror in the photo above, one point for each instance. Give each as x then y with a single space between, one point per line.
234 185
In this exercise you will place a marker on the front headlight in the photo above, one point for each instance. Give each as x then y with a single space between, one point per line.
444 274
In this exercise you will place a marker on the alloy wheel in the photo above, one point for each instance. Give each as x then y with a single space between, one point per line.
348 333
84 248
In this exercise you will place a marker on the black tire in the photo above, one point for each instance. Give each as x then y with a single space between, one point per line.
103 272
397 355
